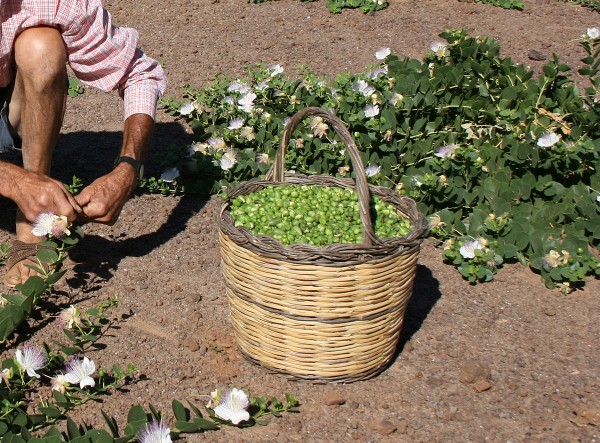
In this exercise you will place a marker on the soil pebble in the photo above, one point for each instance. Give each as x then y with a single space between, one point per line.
536 55
332 398
382 426
473 371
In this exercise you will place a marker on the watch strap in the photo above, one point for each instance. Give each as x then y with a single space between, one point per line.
137 165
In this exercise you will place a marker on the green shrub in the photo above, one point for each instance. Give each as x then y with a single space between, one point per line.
498 159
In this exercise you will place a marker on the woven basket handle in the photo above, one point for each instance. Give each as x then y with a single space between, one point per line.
277 171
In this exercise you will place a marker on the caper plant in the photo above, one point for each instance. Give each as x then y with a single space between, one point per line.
498 159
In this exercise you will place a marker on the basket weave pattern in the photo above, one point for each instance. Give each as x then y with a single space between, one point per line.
323 314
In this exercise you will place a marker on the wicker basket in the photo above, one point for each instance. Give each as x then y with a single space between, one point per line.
330 314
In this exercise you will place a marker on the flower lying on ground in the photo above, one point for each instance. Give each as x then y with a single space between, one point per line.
155 432
80 371
48 223
231 405
31 359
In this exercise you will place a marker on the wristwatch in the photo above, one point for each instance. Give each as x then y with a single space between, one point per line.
137 165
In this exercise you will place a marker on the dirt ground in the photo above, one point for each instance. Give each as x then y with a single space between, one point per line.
504 361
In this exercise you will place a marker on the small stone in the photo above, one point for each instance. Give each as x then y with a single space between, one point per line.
474 370
434 382
191 344
130 218
408 347
402 426
585 416
382 426
481 385
333 399
195 230
536 55
550 311
353 405
293 424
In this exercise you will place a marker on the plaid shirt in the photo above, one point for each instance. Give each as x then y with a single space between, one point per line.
101 54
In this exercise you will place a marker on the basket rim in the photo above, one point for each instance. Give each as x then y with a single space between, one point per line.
335 253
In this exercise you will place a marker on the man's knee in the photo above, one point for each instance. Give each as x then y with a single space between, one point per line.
40 57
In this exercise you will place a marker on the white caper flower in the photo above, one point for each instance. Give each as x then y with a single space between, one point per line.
382 53
548 140
80 371
593 33
371 111
468 248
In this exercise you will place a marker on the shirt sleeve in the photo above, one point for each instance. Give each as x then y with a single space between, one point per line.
106 57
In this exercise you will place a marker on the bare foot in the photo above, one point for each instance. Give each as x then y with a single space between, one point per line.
19 273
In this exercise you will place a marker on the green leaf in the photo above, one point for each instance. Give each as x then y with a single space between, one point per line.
185 426
180 412
54 277
111 422
12 438
194 409
136 413
205 424
50 411
47 255
33 286
72 429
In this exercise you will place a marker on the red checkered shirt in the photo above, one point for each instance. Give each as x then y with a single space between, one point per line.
101 54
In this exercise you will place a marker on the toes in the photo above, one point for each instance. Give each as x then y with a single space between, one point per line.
13 276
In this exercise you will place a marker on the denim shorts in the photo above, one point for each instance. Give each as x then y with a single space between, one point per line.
6 140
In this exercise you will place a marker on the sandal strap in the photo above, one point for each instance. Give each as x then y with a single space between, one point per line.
19 251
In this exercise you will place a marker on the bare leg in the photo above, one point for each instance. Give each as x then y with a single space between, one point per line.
36 111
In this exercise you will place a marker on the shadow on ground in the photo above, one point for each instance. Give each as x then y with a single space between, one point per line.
88 155
100 256
426 293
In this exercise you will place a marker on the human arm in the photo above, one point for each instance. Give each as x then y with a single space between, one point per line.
103 200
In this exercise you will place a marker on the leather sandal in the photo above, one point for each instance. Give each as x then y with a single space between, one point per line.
21 254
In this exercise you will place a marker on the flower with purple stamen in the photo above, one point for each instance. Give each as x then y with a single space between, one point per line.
155 432
31 358
80 371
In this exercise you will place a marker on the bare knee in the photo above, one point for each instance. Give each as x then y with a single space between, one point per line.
40 58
